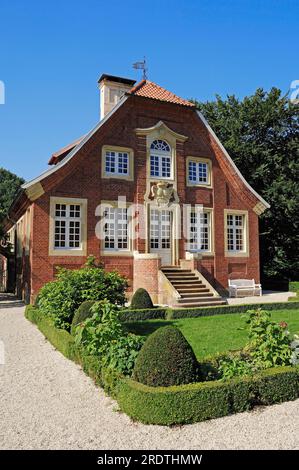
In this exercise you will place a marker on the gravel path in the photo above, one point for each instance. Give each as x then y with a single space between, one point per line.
47 402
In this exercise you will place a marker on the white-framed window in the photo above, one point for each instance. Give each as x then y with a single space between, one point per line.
160 159
235 236
198 172
116 229
116 163
67 226
200 231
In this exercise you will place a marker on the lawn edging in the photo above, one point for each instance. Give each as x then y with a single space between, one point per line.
179 404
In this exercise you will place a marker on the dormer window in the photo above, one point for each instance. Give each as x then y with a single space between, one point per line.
160 159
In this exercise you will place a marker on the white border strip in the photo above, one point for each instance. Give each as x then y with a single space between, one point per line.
77 148
231 161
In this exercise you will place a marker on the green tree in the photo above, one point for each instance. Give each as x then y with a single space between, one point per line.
9 185
261 133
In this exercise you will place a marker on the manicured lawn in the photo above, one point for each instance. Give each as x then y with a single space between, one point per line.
219 333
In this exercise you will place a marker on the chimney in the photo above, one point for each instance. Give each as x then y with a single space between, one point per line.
111 90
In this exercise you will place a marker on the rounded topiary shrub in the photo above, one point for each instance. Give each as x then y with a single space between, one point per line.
141 299
166 359
83 312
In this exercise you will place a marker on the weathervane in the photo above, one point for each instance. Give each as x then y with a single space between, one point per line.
141 66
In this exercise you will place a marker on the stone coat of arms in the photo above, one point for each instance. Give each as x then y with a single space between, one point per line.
162 193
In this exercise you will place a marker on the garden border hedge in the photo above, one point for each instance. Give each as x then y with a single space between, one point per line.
179 404
176 313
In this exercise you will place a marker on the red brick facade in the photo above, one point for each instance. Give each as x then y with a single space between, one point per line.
80 177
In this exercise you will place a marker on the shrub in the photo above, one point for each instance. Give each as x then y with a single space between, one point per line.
60 298
269 343
165 359
141 299
234 366
83 312
122 353
95 334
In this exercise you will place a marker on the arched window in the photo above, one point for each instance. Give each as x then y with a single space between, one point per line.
160 159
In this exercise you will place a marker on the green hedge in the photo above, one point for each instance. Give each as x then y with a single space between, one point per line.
184 403
60 339
129 314
179 404
209 311
197 402
143 314
294 286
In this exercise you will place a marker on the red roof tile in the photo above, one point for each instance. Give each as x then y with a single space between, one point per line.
152 90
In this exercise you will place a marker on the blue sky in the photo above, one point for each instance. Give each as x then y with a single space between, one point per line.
52 54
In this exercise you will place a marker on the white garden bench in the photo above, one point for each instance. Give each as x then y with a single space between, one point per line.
243 287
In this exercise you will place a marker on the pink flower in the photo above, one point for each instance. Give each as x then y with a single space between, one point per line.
283 324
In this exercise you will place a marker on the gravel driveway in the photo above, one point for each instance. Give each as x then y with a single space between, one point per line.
47 402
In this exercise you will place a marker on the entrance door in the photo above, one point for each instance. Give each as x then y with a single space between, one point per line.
160 234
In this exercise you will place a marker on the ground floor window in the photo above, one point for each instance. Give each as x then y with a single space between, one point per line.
235 226
199 231
67 232
116 229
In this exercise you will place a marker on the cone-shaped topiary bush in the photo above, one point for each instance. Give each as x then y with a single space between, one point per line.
141 299
83 312
166 359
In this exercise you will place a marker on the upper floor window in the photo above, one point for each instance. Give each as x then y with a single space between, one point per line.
160 159
117 162
67 231
198 172
235 226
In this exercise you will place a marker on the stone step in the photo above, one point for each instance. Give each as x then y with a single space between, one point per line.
175 270
187 281
204 299
200 304
204 293
191 286
187 277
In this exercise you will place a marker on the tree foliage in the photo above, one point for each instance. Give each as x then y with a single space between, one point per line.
9 185
261 133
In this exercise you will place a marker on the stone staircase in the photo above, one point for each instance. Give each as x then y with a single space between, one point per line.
192 290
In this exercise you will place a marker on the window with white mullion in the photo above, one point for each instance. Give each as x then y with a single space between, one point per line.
235 232
67 226
200 231
116 229
160 159
198 172
117 163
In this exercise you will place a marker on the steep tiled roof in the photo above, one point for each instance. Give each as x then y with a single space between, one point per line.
152 90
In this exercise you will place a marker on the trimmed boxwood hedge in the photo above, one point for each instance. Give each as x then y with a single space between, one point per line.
178 404
166 359
209 311
205 400
143 314
164 313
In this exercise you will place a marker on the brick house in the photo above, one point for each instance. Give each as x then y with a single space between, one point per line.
150 192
